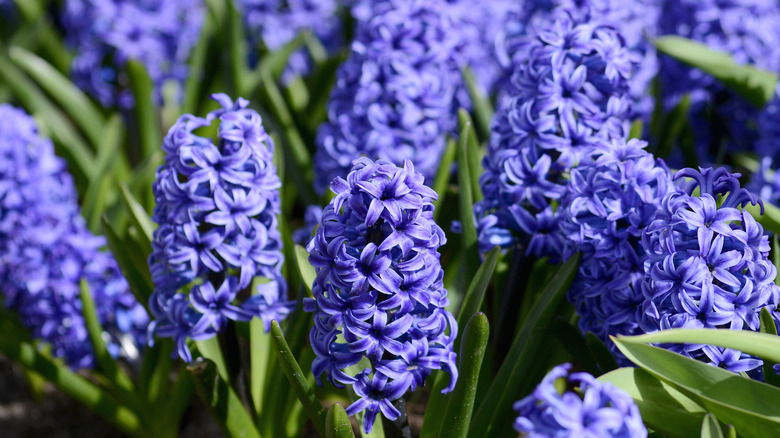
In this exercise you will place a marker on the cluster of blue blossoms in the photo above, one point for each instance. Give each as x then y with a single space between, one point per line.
611 198
46 250
582 407
274 23
635 20
108 33
216 206
396 96
707 265
379 290
571 90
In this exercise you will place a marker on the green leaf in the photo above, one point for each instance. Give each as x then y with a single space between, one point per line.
475 294
573 342
194 84
259 355
474 154
106 363
145 114
672 126
139 217
483 109
305 269
296 377
637 128
140 281
211 350
663 408
710 428
768 326
55 123
763 345
75 103
221 400
466 198
601 353
455 423
79 388
755 85
238 50
508 386
154 379
443 174
337 423
733 399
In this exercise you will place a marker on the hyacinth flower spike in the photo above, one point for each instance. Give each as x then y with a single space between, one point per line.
379 291
217 207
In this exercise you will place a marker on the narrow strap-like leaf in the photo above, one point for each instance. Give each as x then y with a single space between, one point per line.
663 408
755 85
483 109
145 113
466 199
305 269
140 281
75 103
733 399
220 399
475 155
139 217
296 377
95 331
768 326
456 420
494 413
475 294
337 423
443 174
599 350
80 389
710 428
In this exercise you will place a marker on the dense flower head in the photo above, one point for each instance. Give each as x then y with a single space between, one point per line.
108 33
274 23
634 19
707 265
570 92
612 196
583 407
46 250
379 290
395 97
479 27
217 206
746 29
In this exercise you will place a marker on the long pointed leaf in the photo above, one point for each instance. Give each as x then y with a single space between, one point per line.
755 85
455 422
139 217
495 410
140 281
75 103
443 174
769 327
305 269
221 400
663 408
733 399
466 198
710 428
296 377
146 115
758 344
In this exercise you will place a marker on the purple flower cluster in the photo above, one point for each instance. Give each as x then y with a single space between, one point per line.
379 290
611 198
570 92
634 19
217 207
746 29
46 250
583 407
395 97
108 33
478 28
707 265
274 23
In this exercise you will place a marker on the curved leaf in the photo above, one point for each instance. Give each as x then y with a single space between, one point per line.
337 423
